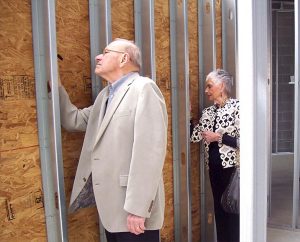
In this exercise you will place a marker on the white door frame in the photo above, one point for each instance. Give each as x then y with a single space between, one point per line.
295 218
253 78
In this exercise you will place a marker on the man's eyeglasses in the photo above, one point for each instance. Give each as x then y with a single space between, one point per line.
105 51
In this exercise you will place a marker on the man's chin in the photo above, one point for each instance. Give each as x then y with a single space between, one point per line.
97 71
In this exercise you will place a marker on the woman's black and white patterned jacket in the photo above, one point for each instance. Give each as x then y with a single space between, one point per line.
227 123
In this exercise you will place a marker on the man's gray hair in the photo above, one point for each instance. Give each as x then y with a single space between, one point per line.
133 51
221 75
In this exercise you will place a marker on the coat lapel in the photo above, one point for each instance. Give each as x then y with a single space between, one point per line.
110 110
103 107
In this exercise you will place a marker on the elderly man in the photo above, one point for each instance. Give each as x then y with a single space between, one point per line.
121 162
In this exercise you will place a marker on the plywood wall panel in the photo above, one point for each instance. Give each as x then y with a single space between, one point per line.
163 79
21 202
18 125
16 38
73 44
17 90
194 99
84 226
219 32
122 19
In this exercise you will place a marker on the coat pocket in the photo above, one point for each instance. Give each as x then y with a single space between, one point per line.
122 113
123 180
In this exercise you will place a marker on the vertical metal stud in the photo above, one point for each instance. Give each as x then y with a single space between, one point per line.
45 60
100 36
180 120
207 63
145 35
229 38
175 120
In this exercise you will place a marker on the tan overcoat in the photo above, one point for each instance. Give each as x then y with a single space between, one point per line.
124 149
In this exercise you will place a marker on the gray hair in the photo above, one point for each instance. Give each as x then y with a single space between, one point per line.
133 51
223 76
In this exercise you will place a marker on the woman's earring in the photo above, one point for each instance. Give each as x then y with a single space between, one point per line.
223 99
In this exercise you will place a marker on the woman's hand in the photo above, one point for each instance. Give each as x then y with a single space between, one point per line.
210 136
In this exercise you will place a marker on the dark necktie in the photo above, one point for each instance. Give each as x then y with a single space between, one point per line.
109 98
110 94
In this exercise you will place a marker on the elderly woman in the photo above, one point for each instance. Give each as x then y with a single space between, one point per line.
219 127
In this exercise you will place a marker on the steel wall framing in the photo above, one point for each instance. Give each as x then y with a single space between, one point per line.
180 120
100 36
145 35
229 46
45 63
207 63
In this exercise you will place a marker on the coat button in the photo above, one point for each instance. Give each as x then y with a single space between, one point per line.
84 179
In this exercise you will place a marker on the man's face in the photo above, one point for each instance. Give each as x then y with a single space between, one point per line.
108 62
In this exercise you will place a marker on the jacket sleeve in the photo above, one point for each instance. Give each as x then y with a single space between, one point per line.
203 125
237 124
72 118
233 139
148 151
196 133
229 140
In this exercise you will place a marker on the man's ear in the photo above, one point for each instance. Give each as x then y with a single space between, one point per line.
124 58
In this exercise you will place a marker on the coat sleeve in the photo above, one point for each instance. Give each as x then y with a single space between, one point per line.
148 152
72 118
230 140
237 124
196 135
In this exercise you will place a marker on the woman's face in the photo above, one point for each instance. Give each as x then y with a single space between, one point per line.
213 90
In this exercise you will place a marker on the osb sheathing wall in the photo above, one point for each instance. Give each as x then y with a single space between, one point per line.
194 101
21 202
21 209
219 32
73 44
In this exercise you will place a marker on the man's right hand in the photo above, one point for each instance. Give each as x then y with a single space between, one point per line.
135 224
49 84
